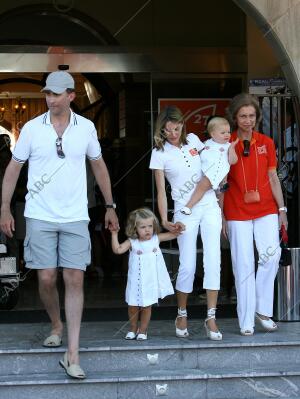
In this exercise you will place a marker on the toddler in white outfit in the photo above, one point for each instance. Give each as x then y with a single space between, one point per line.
216 158
148 278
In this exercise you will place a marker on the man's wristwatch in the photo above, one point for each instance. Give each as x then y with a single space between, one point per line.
109 206
283 208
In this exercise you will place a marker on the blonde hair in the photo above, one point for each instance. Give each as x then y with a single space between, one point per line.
216 121
135 217
168 114
239 101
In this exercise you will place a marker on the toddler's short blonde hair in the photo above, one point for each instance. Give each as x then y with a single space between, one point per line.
216 121
135 217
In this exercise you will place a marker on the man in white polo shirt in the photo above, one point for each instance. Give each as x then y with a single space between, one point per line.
56 145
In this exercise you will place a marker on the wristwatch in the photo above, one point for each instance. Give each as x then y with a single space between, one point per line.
186 211
283 208
108 206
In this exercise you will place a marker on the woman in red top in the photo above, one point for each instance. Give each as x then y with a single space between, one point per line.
254 210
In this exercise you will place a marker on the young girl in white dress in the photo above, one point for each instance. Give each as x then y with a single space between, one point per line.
148 278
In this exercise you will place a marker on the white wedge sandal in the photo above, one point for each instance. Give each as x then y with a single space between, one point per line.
214 336
181 333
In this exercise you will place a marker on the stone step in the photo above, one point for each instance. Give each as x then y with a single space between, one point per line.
265 365
180 384
167 355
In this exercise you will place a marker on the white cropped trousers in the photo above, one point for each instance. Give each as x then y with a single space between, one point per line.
254 293
208 217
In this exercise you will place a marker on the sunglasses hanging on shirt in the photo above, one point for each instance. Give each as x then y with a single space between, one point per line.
59 149
246 151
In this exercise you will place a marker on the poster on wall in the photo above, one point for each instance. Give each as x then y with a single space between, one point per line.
196 111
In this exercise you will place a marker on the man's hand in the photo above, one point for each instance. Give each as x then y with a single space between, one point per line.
112 230
111 220
7 222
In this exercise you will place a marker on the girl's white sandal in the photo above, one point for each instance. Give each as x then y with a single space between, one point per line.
141 337
131 335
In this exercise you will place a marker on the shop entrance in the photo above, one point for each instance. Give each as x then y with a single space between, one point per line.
125 71
123 107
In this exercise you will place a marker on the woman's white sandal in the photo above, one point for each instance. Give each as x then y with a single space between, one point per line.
247 332
214 336
181 333
268 325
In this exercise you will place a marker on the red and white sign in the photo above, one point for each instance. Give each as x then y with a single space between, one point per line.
196 111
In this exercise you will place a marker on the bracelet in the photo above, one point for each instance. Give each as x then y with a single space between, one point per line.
283 208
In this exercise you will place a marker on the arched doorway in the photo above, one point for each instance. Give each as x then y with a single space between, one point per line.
260 13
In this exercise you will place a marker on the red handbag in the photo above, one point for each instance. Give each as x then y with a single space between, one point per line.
286 258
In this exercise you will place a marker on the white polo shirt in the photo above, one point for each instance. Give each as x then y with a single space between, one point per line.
182 168
57 189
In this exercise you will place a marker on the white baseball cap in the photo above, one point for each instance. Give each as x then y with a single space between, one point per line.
58 82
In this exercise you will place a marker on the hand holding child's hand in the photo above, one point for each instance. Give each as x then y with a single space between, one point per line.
113 230
179 227
175 228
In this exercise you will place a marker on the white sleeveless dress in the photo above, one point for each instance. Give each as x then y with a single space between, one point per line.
148 278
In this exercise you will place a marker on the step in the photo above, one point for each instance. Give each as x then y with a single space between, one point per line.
265 365
181 384
166 355
104 349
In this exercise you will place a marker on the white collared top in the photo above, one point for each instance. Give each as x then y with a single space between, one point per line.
56 186
214 161
182 168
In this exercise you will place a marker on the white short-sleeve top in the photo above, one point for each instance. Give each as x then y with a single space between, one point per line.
182 168
214 161
57 190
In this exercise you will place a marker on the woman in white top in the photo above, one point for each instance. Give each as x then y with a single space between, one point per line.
176 158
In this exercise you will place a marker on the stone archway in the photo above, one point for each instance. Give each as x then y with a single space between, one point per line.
279 20
36 22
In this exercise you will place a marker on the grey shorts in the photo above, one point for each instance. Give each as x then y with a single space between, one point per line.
49 245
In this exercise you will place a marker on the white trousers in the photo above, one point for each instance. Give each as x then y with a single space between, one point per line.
254 294
208 217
